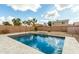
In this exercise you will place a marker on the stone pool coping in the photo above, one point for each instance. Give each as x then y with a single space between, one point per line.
11 46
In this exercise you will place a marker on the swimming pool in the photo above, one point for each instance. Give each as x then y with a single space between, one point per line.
47 44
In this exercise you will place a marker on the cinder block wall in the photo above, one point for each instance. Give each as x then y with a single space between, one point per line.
13 29
73 29
53 28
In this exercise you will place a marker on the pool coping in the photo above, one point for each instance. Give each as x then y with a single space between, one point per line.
71 46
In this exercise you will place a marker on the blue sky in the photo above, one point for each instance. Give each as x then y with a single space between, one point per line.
43 12
8 11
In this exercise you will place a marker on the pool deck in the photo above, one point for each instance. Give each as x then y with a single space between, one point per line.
11 46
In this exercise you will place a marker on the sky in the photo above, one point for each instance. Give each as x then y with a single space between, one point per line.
42 12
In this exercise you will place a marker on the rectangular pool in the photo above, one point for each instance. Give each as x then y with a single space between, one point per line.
47 44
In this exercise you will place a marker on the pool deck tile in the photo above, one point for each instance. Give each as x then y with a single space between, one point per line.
11 46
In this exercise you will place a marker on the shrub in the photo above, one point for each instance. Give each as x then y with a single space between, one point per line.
35 29
6 23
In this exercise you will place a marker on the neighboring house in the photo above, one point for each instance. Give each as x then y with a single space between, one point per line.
76 23
60 22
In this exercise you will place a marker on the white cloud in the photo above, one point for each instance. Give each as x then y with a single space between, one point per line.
29 18
76 19
55 13
9 19
42 21
24 7
61 7
75 8
42 15
52 15
2 19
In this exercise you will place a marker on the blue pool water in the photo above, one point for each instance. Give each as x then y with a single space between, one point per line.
45 43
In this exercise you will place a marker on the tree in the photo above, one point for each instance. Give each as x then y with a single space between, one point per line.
16 21
50 24
34 20
6 23
28 22
34 25
31 21
24 22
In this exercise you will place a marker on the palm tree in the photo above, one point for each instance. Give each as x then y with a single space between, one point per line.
50 24
16 21
6 23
